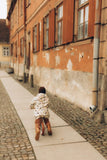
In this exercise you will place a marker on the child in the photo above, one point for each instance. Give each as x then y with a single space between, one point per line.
41 113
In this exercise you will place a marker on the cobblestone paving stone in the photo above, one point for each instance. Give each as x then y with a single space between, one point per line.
94 133
14 142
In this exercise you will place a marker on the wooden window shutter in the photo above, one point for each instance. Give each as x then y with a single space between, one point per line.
68 20
38 37
42 35
52 28
91 18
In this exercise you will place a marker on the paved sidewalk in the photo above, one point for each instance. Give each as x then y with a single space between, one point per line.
65 144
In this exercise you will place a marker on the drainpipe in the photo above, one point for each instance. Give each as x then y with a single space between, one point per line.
96 54
24 74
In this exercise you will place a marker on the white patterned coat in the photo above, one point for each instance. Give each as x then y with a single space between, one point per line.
40 103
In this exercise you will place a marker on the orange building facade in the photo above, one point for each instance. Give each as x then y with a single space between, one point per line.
53 40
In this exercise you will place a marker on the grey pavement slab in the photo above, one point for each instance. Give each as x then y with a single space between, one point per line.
65 143
73 151
55 120
60 135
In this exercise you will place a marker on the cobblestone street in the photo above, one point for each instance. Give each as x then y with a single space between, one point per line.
14 142
94 133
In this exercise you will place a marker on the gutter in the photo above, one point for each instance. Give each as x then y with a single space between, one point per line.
24 74
96 55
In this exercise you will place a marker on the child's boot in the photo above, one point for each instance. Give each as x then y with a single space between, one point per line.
37 134
37 127
49 128
48 125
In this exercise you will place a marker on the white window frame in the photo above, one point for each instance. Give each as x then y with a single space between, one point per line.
35 38
83 19
46 32
59 24
6 51
22 47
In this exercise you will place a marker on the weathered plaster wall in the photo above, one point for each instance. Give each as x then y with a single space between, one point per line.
66 72
70 57
74 86
18 69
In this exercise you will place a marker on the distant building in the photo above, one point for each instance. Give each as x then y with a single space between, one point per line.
4 44
63 44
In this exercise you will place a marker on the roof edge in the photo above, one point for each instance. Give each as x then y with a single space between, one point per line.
11 8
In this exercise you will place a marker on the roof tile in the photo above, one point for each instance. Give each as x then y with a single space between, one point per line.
4 31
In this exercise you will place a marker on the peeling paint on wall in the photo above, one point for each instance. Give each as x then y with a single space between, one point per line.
71 49
47 57
66 50
72 53
81 55
57 60
69 65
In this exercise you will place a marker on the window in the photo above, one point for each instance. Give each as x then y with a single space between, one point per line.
59 25
83 13
82 1
28 3
22 47
11 49
35 38
46 32
28 61
5 51
29 36
15 49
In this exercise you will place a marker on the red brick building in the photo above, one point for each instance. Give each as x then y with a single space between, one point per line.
60 43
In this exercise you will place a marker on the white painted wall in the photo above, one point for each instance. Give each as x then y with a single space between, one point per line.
18 69
74 86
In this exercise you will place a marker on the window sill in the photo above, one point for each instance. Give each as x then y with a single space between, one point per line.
78 42
84 4
83 41
46 49
59 47
34 52
55 47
